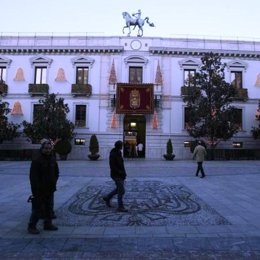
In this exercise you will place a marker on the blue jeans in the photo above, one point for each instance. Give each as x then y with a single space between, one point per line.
119 190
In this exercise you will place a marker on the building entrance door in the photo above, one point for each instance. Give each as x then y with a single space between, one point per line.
134 136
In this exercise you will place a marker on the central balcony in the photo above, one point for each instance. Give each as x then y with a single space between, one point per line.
81 90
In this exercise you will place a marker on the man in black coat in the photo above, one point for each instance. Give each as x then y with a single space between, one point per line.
44 173
118 175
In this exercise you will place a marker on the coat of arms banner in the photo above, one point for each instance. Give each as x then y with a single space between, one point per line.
134 98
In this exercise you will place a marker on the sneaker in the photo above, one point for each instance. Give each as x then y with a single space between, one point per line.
107 201
50 227
33 230
122 209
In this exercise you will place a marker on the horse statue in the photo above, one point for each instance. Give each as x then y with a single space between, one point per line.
130 21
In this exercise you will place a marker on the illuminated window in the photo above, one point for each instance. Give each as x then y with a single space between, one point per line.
82 75
41 65
2 74
40 75
236 79
79 141
237 144
188 75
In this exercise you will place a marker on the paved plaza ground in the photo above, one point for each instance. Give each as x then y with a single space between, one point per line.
172 214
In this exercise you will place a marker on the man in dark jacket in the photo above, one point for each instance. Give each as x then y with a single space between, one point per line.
118 175
44 173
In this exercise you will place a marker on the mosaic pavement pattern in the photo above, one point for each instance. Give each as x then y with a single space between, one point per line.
150 203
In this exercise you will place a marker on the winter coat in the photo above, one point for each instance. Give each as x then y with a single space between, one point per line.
44 173
116 163
199 153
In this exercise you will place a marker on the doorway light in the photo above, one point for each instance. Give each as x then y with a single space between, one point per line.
133 124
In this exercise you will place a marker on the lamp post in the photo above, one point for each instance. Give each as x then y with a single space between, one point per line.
210 70
1 115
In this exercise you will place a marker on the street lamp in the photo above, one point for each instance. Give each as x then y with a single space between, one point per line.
210 86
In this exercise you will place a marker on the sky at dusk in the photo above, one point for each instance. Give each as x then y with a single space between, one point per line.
172 18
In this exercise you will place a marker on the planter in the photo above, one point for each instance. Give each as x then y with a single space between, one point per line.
93 148
63 157
63 148
169 157
93 157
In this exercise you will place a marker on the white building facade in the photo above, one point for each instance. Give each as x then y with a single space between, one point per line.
86 72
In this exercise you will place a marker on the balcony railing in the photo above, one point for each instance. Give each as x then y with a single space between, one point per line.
187 91
38 89
242 94
3 89
81 90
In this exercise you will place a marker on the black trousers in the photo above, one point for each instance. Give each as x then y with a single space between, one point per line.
42 205
200 169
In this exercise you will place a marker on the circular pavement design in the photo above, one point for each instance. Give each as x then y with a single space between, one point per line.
150 203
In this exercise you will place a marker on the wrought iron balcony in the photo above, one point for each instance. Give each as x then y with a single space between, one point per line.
242 94
38 89
187 91
3 89
81 90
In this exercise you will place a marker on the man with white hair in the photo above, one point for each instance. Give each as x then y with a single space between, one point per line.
199 154
44 173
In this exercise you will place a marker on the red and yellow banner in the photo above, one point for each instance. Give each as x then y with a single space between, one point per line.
134 98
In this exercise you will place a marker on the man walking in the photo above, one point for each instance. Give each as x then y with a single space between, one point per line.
118 175
199 154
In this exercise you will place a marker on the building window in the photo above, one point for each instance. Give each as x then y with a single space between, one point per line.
238 118
237 68
40 75
236 79
189 67
187 121
82 75
2 74
188 75
80 115
136 75
37 111
40 66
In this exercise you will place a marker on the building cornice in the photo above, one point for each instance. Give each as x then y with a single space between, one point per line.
37 45
60 50
200 52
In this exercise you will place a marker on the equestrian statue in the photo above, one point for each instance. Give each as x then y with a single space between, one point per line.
135 20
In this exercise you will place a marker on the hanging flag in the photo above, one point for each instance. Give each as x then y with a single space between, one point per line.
155 120
114 120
